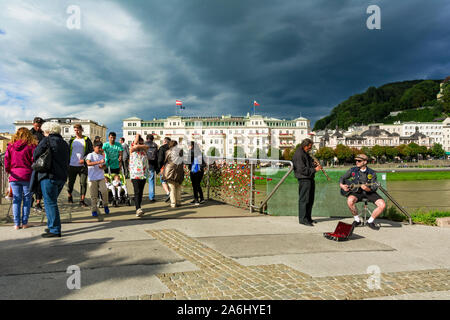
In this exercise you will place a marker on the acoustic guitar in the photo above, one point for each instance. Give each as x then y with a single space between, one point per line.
353 187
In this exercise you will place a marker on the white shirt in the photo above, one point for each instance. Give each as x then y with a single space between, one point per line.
77 152
94 172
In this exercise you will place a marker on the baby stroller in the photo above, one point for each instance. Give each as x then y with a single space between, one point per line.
124 197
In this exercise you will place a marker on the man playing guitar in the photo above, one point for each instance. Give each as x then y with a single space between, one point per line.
367 179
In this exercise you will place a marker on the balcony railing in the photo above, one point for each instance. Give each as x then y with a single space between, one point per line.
285 135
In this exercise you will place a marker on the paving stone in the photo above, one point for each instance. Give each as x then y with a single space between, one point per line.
222 278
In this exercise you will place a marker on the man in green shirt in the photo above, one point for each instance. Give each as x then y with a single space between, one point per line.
113 153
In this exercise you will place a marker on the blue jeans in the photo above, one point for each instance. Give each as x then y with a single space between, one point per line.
21 191
51 190
151 185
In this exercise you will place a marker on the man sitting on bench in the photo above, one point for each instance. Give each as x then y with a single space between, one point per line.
361 174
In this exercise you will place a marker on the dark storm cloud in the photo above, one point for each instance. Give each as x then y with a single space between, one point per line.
298 56
294 57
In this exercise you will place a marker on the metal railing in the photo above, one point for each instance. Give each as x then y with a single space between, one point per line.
230 178
3 177
3 186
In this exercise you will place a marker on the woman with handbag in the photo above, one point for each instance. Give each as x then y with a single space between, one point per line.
139 171
196 167
51 166
174 172
18 161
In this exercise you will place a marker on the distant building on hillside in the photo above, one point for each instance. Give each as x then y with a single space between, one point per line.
440 95
446 135
422 133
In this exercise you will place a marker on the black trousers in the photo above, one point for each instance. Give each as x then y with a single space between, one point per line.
196 179
138 187
38 193
113 171
72 176
126 171
306 190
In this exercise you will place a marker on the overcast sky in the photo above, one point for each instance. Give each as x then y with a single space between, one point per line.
135 58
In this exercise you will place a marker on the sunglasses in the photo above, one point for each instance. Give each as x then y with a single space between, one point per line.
359 160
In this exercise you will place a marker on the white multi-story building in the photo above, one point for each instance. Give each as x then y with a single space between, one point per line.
90 127
223 133
434 130
446 135
422 133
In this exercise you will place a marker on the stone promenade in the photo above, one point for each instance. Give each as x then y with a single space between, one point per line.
216 251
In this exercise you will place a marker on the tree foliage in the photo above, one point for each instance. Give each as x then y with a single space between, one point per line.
375 104
325 153
213 152
437 151
446 97
344 153
378 152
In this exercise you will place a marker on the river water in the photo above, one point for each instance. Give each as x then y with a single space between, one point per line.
421 194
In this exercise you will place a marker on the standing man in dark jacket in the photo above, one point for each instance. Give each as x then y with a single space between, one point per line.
305 169
39 135
125 158
52 182
80 146
152 156
36 130
161 158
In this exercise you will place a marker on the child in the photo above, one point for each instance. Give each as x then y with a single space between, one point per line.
118 186
96 178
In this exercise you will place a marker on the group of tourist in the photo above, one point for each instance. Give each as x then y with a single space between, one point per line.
141 161
89 161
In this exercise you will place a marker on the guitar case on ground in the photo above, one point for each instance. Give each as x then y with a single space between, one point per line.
342 233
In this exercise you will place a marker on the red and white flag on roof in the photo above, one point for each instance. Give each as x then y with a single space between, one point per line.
256 104
179 103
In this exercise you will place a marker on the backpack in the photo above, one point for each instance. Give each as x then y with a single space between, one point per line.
195 166
152 151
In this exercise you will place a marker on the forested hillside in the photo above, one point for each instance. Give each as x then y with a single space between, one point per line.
375 104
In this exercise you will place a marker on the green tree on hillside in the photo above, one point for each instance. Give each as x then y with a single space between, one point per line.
418 94
446 97
375 104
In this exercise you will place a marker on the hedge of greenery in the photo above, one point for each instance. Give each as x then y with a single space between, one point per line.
418 216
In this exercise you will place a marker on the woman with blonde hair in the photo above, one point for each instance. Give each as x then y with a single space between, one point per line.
174 172
18 161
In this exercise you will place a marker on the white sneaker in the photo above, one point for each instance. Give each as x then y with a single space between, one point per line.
139 212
